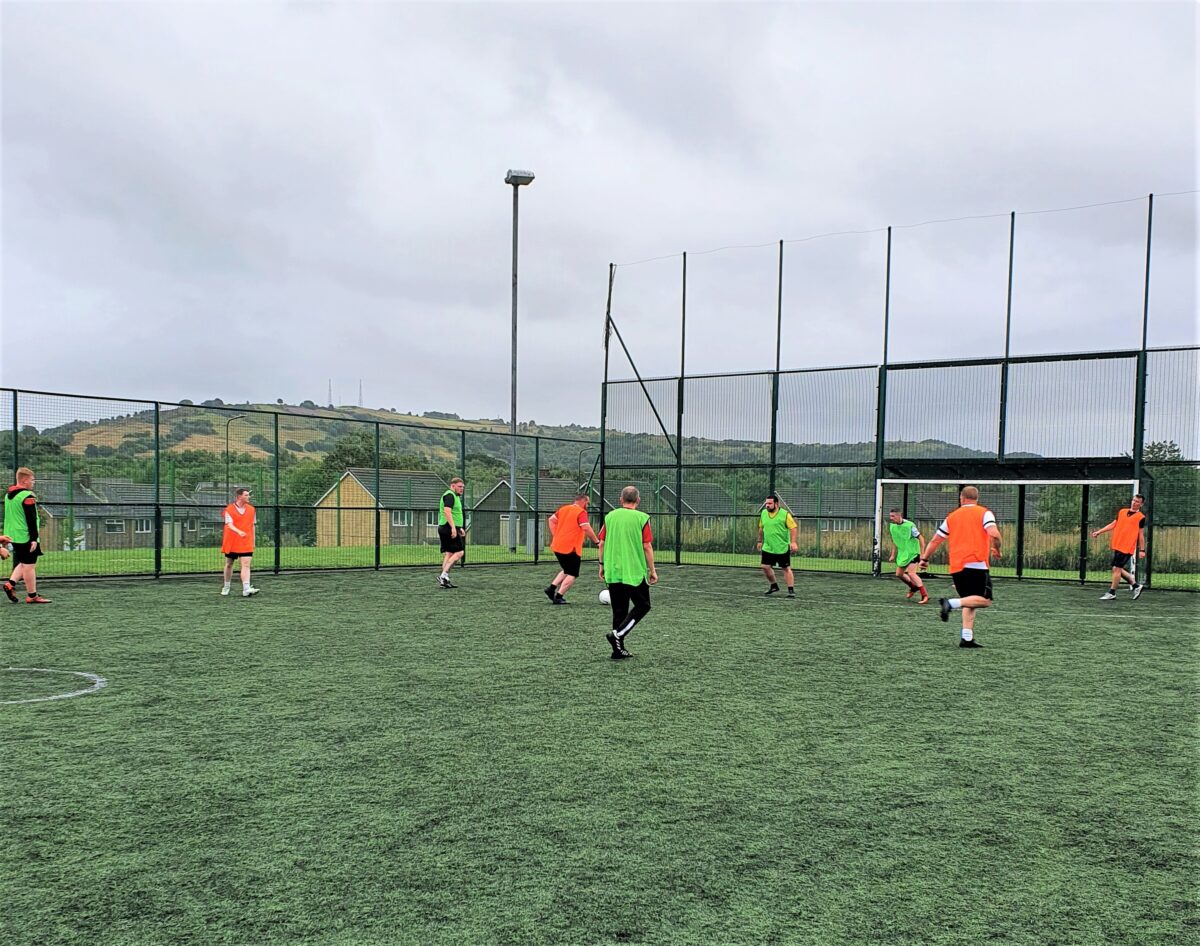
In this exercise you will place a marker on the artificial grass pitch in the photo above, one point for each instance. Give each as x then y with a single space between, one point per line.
363 758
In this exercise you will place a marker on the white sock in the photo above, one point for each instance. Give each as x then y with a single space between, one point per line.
226 586
245 586
967 634
955 604
445 575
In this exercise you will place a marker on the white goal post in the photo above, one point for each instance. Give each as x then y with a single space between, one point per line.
877 551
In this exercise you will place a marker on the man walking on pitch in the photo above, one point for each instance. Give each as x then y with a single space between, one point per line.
974 539
568 527
777 532
908 547
627 567
1128 534
22 525
238 540
450 530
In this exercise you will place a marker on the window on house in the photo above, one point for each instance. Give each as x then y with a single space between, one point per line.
836 525
431 518
401 517
708 522
143 525
191 525
114 525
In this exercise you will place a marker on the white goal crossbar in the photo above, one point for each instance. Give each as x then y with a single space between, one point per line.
1134 488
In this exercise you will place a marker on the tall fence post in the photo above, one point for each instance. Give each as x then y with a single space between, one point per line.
775 376
158 530
537 505
679 419
1021 530
278 513
1001 439
380 512
1139 407
612 272
1145 568
16 453
1083 533
881 411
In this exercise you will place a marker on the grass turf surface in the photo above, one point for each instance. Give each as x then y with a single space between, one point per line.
364 759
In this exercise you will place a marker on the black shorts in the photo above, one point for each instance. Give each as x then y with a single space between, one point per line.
569 562
973 581
1121 559
777 559
450 544
24 555
234 556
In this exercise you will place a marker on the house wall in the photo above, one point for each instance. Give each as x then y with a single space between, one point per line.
348 526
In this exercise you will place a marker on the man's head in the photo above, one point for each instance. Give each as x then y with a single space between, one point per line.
968 495
630 496
25 477
771 502
458 485
582 499
1137 502
241 495
896 516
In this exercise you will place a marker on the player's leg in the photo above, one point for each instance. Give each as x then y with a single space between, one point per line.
640 599
974 588
552 589
769 572
914 579
619 596
790 577
31 592
247 588
11 585
228 574
565 585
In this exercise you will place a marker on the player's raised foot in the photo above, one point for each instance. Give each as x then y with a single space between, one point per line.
944 608
1108 596
551 592
1137 590
911 592
969 643
10 591
247 592
773 590
36 599
924 599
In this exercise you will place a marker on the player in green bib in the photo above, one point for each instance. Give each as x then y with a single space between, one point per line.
908 547
777 532
22 526
452 533
627 567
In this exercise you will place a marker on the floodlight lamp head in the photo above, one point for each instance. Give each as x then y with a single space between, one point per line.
517 178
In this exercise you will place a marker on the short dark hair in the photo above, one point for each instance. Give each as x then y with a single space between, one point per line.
584 494
896 511
1139 496
774 497
240 490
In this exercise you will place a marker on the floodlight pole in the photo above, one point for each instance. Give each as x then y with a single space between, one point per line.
516 179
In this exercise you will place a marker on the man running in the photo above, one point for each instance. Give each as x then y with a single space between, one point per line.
777 533
1128 535
907 548
974 539
22 526
627 566
568 527
238 540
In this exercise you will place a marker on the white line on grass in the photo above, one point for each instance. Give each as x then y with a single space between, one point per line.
98 683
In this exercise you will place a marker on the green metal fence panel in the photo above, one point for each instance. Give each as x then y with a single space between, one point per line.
827 416
1172 405
942 412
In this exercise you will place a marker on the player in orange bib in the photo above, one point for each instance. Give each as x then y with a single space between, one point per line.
974 541
1128 535
568 527
238 541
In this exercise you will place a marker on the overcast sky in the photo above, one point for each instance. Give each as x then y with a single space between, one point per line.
245 200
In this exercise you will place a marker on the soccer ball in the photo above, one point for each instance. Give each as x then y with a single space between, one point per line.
605 597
